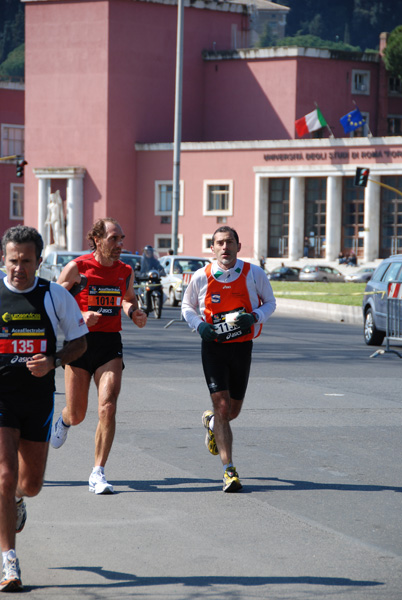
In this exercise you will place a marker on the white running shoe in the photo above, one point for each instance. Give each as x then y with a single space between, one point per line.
59 433
11 580
21 515
98 483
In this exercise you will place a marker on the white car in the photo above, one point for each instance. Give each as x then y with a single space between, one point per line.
53 264
177 268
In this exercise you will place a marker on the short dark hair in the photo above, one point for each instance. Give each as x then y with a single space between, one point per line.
226 229
99 230
21 234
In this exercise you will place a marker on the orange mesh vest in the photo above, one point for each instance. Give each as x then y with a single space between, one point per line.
227 297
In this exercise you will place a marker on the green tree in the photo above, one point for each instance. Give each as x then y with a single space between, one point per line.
13 66
393 52
313 41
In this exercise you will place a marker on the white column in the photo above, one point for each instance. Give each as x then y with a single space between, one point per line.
296 217
75 213
334 218
372 219
43 200
261 217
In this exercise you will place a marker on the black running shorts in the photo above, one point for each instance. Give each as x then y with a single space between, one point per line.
101 348
30 411
227 367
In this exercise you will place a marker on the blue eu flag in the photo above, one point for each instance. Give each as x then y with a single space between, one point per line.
352 121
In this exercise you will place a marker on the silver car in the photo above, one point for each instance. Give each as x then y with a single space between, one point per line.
363 275
375 299
320 273
177 268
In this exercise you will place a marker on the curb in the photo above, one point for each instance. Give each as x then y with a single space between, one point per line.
319 311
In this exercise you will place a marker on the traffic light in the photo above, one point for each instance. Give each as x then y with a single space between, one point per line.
361 177
20 167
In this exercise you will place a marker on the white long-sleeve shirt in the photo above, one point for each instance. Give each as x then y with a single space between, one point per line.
259 288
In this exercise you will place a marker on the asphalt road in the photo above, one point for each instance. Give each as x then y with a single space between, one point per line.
317 447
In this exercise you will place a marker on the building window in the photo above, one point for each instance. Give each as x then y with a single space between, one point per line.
206 242
164 198
394 125
395 85
218 198
163 243
17 201
12 140
361 82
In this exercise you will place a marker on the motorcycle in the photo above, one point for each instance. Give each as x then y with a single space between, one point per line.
150 294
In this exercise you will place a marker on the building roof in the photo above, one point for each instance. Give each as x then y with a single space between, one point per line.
263 5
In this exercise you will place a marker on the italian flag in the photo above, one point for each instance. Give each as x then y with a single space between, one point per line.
310 122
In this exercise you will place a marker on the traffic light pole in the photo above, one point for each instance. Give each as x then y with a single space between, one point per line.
388 187
177 127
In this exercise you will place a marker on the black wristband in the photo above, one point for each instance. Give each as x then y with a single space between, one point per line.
131 312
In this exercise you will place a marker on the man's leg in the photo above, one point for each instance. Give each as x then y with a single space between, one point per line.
77 383
225 410
32 458
9 440
108 381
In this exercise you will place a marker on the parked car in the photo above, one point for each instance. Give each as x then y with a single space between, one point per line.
175 266
53 264
375 299
284 274
361 276
320 273
130 259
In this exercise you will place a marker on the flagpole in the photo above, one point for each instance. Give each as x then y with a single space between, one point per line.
329 128
369 134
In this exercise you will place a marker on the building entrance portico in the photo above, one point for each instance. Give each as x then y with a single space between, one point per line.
74 205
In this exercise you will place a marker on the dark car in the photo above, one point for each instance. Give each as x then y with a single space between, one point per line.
130 259
375 299
284 274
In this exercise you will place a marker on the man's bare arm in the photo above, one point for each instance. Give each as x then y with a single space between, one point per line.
130 305
40 365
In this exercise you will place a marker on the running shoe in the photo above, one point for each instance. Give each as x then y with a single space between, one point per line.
59 433
21 515
98 483
231 481
209 438
11 581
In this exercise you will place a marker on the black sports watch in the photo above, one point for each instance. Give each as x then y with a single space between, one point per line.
57 361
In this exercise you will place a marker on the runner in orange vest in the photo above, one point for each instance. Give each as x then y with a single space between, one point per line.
227 302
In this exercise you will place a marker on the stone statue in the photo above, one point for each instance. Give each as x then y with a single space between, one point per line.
55 218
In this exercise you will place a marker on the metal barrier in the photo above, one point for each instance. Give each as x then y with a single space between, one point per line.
394 314
393 317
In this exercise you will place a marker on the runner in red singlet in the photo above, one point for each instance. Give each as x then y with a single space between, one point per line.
103 286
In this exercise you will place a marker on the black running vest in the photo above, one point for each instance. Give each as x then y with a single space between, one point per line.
25 330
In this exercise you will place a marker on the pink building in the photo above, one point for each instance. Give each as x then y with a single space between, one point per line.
99 127
12 144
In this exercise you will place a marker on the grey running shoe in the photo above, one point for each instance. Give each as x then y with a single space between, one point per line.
98 483
231 481
59 433
11 581
209 438
21 515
